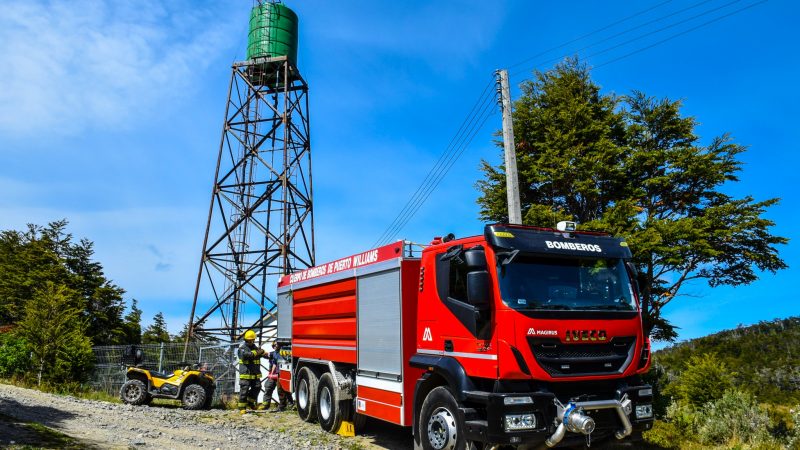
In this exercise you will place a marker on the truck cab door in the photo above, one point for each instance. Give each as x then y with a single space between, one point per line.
466 321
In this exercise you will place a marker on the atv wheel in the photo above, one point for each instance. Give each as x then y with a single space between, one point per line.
134 392
194 397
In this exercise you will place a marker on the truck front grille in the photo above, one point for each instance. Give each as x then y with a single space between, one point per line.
562 360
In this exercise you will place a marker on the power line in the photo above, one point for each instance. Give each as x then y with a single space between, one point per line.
487 113
436 167
592 33
642 36
442 164
717 19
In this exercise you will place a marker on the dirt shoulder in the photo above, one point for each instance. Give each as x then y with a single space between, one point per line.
91 423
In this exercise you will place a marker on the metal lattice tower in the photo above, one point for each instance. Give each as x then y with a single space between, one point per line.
260 221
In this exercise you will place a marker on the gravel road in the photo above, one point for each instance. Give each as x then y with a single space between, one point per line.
110 425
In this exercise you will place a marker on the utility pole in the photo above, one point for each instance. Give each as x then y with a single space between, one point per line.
512 184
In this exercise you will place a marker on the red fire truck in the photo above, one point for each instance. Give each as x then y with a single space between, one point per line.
520 336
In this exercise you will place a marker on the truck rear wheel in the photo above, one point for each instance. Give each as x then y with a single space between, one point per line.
329 410
307 394
439 426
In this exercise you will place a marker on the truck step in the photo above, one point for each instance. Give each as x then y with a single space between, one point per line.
476 429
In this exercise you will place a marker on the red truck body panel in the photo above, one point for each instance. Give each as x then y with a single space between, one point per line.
325 325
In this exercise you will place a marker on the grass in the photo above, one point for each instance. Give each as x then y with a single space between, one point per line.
71 389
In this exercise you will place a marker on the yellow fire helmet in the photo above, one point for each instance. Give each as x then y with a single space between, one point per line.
249 335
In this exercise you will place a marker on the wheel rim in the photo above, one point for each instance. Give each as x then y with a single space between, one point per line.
302 395
132 392
191 397
442 429
325 403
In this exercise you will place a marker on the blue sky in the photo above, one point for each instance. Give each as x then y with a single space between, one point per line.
110 116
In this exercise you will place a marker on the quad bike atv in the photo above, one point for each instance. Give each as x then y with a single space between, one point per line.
193 386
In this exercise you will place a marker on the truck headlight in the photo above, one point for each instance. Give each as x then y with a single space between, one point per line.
517 422
644 411
518 401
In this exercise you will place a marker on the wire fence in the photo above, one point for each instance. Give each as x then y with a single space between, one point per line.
221 360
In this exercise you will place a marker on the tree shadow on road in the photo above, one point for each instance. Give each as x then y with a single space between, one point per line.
26 425
45 415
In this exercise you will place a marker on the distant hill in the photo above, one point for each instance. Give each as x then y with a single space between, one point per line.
765 358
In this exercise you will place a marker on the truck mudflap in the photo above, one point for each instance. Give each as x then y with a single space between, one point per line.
539 417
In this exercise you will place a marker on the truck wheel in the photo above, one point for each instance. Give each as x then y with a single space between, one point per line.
133 392
194 397
307 395
439 426
329 411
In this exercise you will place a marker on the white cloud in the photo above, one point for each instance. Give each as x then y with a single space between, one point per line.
69 66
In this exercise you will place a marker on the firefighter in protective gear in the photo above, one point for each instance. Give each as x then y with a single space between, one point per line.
284 398
249 371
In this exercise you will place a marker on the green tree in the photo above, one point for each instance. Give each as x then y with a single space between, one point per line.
634 167
55 332
26 264
157 331
133 324
704 380
30 259
15 356
570 141
103 302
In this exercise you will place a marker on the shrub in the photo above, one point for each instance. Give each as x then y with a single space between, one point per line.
794 433
15 356
734 417
705 379
665 435
683 417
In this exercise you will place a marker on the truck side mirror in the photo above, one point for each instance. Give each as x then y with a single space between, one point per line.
475 258
478 291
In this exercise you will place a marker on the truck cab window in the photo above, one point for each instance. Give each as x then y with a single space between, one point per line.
451 281
458 279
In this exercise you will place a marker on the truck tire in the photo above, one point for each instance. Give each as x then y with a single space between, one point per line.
134 392
329 410
439 427
194 397
307 394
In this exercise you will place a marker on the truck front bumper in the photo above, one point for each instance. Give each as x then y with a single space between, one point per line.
536 417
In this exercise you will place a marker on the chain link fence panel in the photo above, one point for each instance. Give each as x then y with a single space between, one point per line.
109 372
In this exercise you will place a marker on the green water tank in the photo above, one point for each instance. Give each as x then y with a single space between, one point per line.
273 32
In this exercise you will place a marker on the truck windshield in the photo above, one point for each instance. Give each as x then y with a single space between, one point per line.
541 283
